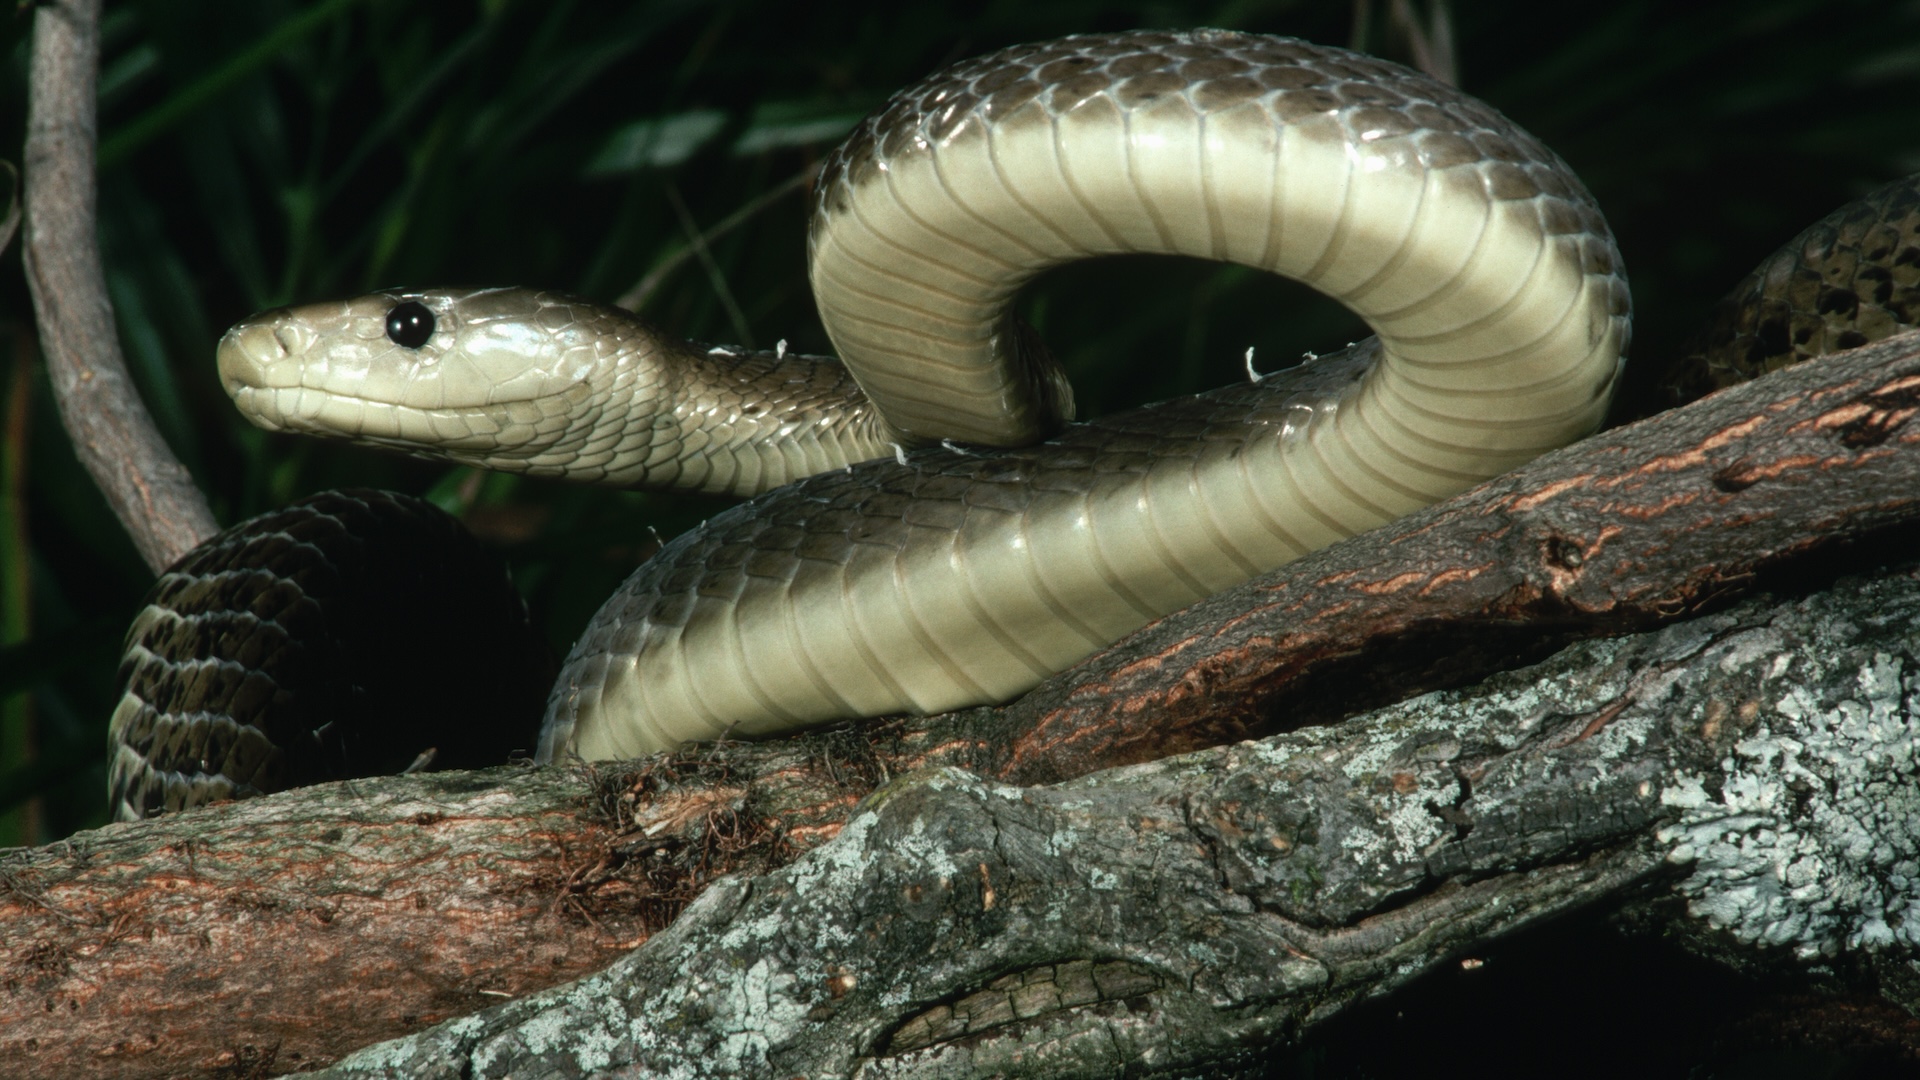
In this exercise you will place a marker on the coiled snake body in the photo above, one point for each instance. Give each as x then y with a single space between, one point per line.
944 575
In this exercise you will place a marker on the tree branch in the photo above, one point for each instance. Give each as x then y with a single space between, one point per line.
1176 913
1629 529
1649 523
149 489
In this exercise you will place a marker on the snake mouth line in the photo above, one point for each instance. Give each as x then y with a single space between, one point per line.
501 428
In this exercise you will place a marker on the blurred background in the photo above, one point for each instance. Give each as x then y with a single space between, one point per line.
259 152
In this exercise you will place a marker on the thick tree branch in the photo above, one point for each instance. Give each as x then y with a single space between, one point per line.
412 903
1628 529
1175 913
1624 529
148 488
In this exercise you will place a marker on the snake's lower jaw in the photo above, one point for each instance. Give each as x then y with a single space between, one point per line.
497 436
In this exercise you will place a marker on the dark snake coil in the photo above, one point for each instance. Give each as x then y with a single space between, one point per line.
351 634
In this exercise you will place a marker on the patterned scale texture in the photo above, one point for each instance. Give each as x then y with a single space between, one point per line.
343 636
1210 81
1212 70
806 538
1850 278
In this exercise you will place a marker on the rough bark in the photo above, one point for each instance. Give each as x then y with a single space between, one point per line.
1162 915
128 947
114 435
1629 527
1165 916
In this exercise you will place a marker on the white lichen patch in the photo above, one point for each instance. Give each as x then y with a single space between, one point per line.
768 1009
928 848
1813 840
1271 754
1414 829
748 994
1625 733
547 1030
833 862
591 1044
1373 755
756 990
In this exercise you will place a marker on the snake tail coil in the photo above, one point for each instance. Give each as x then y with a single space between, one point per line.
354 633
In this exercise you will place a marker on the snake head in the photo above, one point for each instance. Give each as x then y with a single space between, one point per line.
502 378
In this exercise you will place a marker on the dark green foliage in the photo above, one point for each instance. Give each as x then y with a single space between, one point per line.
261 152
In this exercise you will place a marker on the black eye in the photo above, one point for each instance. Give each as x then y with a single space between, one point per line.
409 325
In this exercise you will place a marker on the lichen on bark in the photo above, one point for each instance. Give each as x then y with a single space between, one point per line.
1806 834
1239 895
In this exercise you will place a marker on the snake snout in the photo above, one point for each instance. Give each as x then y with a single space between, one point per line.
263 353
293 338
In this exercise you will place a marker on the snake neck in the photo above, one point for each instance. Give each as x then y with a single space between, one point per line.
739 422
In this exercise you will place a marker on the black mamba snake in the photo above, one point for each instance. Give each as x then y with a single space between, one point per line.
886 568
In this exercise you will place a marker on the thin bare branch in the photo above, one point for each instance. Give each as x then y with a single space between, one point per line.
113 434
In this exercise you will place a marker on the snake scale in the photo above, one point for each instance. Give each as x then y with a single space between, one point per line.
928 529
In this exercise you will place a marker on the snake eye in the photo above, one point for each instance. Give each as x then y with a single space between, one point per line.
409 325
